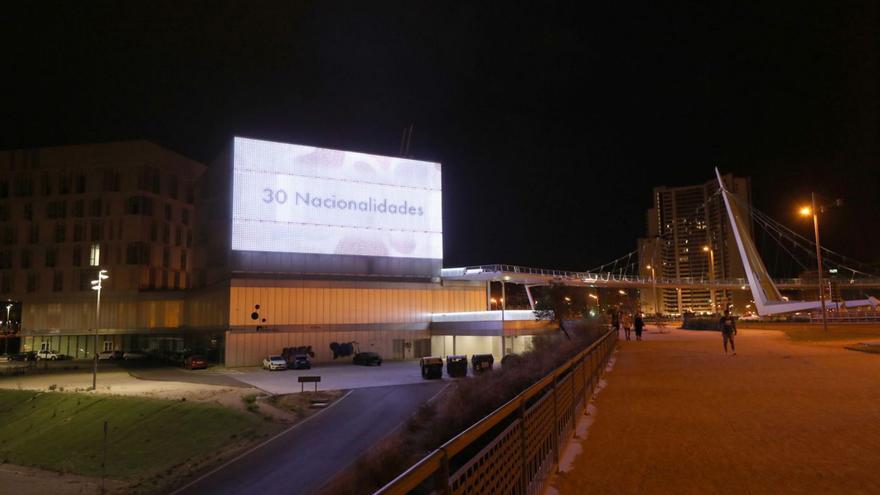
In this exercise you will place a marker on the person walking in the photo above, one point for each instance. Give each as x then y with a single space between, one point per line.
727 325
615 320
639 324
627 324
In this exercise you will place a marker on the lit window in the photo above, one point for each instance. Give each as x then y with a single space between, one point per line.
95 255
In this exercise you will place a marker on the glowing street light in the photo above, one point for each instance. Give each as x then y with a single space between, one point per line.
807 211
96 285
708 249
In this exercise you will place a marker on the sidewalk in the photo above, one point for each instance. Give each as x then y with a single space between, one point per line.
678 417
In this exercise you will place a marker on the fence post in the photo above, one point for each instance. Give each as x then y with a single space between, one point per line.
523 449
442 482
555 424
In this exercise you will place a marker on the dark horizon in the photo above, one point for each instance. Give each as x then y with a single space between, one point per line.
553 125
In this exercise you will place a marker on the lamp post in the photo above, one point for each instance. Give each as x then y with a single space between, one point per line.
708 249
807 211
654 289
96 285
8 330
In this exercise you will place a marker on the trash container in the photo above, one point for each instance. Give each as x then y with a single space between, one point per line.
456 366
511 361
482 362
432 367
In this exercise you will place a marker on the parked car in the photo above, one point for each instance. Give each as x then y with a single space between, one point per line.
482 362
50 355
195 362
432 367
300 362
456 366
274 363
134 356
24 356
110 356
367 359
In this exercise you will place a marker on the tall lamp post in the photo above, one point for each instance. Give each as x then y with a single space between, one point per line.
654 289
8 330
813 210
708 249
96 285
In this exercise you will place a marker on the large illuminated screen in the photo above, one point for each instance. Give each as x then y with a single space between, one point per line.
301 199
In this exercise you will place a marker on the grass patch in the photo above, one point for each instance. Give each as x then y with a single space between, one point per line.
150 441
303 404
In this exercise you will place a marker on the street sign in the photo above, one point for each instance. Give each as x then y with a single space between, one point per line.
308 379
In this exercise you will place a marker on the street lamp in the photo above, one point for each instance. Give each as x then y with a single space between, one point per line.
96 285
708 249
807 211
654 289
8 330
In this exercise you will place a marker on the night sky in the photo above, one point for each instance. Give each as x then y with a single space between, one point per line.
553 123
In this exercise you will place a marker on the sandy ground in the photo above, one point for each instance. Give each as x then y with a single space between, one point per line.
677 416
31 481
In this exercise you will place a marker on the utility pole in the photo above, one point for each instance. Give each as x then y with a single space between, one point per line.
96 285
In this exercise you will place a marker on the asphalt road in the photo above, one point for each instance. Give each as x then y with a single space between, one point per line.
302 459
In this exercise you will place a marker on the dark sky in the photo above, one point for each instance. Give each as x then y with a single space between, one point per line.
553 123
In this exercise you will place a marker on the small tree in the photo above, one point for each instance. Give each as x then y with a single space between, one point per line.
559 302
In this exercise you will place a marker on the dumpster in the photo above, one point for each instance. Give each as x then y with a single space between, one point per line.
482 362
511 361
456 366
432 367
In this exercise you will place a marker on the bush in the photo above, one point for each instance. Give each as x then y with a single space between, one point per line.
463 404
700 323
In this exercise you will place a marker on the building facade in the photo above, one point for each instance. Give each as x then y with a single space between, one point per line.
689 236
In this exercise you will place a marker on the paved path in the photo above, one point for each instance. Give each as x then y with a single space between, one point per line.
677 416
304 458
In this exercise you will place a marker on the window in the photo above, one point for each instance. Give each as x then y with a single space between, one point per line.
58 281
25 259
108 346
111 181
173 187
24 186
78 232
166 233
177 280
97 231
77 256
4 189
60 232
168 212
78 208
183 260
33 282
139 205
51 258
64 184
4 212
154 231
95 208
166 257
5 259
164 279
56 209
189 238
35 234
45 185
148 180
6 282
190 194
8 235
136 253
95 254
80 184
85 280
28 211
184 216
177 236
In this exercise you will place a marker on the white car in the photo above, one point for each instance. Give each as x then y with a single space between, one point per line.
50 355
274 363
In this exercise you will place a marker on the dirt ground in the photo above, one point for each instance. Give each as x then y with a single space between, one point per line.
677 416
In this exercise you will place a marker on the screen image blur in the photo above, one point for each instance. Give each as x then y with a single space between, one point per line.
302 199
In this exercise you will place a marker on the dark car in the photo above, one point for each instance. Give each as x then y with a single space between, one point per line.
456 366
195 362
511 361
300 362
24 356
367 359
482 362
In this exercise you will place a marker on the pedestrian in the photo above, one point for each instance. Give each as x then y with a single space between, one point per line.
627 324
615 320
728 330
639 324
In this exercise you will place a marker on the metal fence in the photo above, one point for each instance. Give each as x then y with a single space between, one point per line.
514 449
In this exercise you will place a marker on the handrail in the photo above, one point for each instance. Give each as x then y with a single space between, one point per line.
435 463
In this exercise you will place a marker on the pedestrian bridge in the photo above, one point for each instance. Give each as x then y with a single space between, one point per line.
538 276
